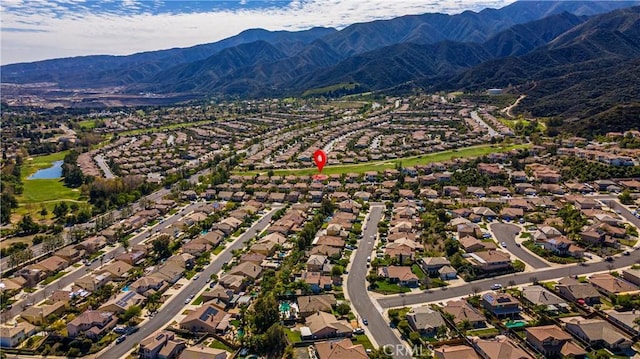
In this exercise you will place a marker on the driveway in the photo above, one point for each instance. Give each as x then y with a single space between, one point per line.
507 232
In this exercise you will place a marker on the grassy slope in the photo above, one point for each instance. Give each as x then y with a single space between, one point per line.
467 152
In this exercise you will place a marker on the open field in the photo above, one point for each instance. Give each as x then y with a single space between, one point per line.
467 152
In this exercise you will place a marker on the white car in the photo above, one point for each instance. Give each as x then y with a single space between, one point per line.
496 286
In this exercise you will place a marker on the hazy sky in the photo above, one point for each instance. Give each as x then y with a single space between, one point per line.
40 29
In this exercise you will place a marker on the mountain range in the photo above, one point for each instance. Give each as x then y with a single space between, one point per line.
572 58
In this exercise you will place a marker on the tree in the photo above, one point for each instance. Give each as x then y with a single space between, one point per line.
131 313
161 246
625 197
337 270
27 226
451 247
343 308
274 341
265 312
60 209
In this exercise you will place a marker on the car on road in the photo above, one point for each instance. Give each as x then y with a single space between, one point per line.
496 286
365 321
369 259
608 259
121 339
517 244
626 253
358 331
195 277
504 244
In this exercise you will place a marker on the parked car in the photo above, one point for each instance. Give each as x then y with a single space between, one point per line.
504 244
496 286
365 321
121 339
626 253
609 259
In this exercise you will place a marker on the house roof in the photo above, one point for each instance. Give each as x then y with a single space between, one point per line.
545 332
540 296
341 349
248 269
612 284
403 273
319 321
314 303
462 310
596 329
425 318
202 351
208 315
501 348
455 352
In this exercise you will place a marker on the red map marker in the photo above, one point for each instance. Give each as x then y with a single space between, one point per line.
320 158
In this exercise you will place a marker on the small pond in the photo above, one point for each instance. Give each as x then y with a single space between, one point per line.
54 171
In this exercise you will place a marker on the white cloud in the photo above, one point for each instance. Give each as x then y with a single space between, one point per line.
41 30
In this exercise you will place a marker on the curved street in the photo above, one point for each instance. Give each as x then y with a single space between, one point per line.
507 232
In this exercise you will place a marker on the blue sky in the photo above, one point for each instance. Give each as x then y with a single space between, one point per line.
34 30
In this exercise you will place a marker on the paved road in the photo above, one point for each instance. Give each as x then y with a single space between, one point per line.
104 166
176 304
356 285
507 232
480 121
521 278
42 294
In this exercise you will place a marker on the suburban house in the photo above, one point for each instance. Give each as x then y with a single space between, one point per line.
201 351
400 275
324 325
38 315
425 321
626 320
340 349
455 352
11 336
310 304
123 301
610 285
598 333
499 347
463 311
92 323
575 291
553 342
490 260
209 318
501 304
539 296
160 345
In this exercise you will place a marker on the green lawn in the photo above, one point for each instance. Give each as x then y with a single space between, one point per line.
388 288
220 345
87 124
417 271
96 255
487 332
218 249
364 340
48 191
474 151
50 279
293 335
197 301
